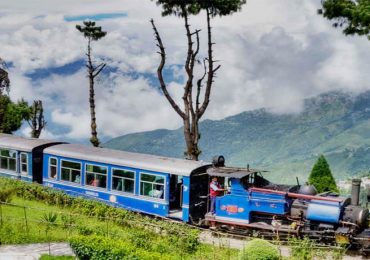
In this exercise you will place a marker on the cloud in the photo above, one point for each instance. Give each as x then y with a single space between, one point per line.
273 54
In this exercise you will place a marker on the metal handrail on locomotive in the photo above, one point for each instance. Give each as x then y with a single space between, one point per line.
179 189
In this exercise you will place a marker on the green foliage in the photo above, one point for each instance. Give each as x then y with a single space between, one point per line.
68 220
216 7
49 219
259 249
99 247
302 248
148 231
90 31
307 249
54 257
353 15
6 194
321 176
12 114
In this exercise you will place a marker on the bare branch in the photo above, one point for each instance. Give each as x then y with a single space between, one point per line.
160 72
189 64
214 71
98 69
197 48
211 70
199 85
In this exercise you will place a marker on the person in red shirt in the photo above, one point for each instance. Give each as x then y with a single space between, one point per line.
215 190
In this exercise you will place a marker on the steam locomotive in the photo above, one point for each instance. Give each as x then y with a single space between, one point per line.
255 204
179 189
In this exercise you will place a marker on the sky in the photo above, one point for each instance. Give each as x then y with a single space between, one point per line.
273 54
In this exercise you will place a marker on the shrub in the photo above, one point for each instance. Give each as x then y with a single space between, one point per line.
259 249
6 194
99 247
302 248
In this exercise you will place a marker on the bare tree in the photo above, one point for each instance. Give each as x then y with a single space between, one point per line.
196 96
92 33
36 119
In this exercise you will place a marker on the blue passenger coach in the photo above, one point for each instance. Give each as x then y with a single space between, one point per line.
146 183
21 158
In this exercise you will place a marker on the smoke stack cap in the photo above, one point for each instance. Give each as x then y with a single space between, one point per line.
218 161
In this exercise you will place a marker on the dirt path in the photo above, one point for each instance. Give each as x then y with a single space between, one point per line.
33 251
207 238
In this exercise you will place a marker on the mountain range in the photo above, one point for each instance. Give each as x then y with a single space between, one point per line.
335 124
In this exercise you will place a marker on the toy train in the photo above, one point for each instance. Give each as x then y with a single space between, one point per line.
179 189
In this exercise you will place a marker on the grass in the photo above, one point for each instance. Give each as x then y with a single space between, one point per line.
26 223
59 257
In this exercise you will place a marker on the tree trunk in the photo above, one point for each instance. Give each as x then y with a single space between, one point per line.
37 121
90 69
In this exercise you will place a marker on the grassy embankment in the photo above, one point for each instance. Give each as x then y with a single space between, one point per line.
37 214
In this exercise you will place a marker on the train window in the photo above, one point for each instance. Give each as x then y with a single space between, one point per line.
70 171
24 163
152 185
8 160
96 176
123 180
53 166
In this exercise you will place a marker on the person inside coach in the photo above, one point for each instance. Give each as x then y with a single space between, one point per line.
215 190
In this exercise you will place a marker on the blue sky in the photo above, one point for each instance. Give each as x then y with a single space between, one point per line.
94 17
268 58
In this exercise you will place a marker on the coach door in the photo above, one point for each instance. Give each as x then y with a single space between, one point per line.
37 161
176 196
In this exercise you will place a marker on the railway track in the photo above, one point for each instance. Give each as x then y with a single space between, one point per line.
239 237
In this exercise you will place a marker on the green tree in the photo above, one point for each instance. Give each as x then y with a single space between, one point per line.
4 78
196 95
352 15
321 176
12 114
92 33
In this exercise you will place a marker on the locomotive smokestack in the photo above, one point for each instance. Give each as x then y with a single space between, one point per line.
355 198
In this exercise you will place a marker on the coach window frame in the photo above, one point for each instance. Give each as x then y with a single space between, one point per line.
153 183
21 163
70 173
96 173
52 165
9 158
123 179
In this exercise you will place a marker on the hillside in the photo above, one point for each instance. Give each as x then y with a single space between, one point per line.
335 124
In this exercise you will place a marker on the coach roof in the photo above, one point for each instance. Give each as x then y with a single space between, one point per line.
21 143
121 158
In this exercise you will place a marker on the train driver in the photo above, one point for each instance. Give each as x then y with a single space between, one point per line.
215 190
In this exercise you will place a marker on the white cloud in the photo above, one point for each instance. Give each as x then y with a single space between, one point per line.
273 54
